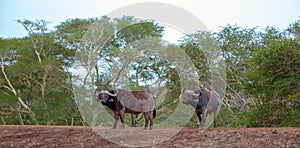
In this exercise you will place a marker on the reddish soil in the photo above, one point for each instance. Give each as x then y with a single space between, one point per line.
70 136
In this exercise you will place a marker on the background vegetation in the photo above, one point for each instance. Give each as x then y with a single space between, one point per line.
36 87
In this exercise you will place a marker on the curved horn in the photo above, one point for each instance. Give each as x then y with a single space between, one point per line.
113 95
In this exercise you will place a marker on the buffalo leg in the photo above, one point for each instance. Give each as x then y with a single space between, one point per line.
122 119
198 113
151 119
204 115
215 119
146 116
116 121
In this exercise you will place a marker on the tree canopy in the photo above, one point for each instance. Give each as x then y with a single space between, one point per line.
37 71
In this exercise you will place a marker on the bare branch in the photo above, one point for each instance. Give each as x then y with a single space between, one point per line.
13 110
13 90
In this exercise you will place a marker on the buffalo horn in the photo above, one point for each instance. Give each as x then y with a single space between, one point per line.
113 95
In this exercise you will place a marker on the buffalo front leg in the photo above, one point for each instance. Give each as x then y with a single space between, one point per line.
122 120
122 116
198 113
204 115
116 121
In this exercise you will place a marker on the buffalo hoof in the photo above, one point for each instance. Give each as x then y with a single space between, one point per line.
202 128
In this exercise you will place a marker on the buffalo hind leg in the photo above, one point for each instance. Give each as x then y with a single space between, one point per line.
146 116
151 119
215 119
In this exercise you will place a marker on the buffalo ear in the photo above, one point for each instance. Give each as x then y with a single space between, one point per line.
111 100
97 92
200 93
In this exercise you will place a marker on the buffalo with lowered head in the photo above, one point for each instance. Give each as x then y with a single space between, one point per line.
204 101
125 101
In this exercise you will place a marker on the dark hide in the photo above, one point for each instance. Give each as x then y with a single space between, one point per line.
133 102
204 101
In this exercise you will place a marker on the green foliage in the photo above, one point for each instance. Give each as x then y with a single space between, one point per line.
268 115
263 72
275 80
195 46
236 44
35 70
226 118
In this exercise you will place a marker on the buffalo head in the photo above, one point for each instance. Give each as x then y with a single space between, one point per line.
191 97
106 96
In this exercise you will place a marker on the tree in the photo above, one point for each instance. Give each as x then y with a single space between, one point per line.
274 79
237 45
103 47
39 77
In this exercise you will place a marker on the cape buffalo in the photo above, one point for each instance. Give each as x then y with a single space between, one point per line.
125 101
204 101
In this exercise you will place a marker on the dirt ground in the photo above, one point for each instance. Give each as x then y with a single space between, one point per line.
70 136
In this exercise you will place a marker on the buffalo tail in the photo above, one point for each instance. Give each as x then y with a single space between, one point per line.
154 113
